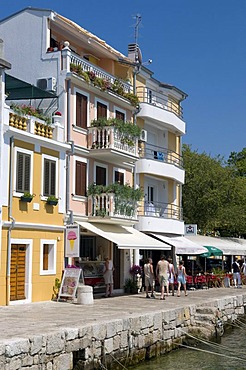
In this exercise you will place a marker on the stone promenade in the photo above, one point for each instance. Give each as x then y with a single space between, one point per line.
28 320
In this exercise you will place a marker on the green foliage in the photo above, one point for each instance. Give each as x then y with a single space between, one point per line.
28 110
129 132
56 288
121 191
213 197
117 87
237 162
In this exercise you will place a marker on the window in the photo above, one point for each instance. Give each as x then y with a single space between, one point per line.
119 177
49 177
23 172
150 194
120 115
80 178
48 257
101 110
81 110
101 175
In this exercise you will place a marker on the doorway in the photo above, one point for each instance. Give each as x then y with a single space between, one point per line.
18 272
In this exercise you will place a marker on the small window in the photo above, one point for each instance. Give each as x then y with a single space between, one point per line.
101 175
120 115
49 177
80 178
81 110
48 257
23 172
119 177
101 110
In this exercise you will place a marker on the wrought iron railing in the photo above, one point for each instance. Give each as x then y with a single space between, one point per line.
161 210
160 100
157 153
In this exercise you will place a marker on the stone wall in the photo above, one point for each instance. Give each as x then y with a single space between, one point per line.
107 345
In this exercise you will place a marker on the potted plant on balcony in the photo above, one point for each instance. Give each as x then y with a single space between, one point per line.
52 200
27 197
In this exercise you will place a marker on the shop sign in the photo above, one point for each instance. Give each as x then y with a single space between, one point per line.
69 284
72 239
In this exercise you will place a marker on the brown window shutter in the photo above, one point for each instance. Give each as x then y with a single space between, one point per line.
45 256
119 115
49 177
80 178
101 110
100 176
23 172
81 110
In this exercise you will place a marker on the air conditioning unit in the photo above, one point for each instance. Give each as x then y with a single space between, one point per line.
143 136
48 84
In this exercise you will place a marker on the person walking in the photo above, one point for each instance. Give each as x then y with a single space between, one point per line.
171 275
243 270
149 278
236 274
108 277
162 269
181 278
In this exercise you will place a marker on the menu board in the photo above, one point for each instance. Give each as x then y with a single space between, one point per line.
69 283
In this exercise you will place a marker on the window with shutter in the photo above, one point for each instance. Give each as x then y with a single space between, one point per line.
101 175
120 115
80 178
119 177
23 172
49 177
101 110
81 110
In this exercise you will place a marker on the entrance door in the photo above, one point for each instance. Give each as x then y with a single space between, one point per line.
116 262
17 272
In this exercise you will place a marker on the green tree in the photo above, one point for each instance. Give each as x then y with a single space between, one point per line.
237 161
213 198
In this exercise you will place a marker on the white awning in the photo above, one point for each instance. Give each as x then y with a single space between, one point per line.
182 245
229 246
126 237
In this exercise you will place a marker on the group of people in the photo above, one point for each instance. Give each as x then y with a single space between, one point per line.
237 269
166 274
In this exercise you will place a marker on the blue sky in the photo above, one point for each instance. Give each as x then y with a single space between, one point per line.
197 45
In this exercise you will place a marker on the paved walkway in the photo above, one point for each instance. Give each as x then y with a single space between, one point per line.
27 320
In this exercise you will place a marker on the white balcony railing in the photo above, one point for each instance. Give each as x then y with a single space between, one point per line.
109 137
99 72
34 125
109 205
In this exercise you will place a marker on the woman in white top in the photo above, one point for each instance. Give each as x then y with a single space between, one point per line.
171 275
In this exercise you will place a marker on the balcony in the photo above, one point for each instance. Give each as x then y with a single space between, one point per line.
109 207
161 108
84 66
115 203
162 162
114 140
156 216
34 125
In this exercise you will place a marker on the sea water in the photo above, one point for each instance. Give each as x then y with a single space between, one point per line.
229 353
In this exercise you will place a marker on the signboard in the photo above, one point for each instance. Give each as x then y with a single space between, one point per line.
69 283
72 239
191 229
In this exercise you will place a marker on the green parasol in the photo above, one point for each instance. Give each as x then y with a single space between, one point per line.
212 251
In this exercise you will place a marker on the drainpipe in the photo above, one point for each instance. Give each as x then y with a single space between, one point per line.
12 221
68 140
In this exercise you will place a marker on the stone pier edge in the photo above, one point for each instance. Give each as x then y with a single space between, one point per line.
127 341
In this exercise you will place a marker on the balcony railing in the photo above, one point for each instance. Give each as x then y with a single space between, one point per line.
111 138
159 100
161 210
110 205
34 125
161 154
100 73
